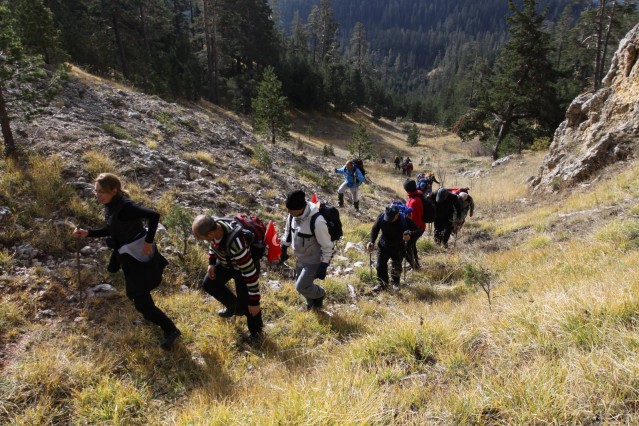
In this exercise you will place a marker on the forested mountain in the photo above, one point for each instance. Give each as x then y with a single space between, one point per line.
408 34
428 61
435 53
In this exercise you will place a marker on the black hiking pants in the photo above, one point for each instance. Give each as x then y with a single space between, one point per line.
144 304
396 256
411 250
238 302
443 229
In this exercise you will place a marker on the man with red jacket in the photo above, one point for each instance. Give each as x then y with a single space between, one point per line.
414 201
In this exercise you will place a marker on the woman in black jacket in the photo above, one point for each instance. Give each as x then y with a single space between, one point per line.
133 250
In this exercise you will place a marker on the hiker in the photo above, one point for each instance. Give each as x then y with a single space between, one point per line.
425 184
467 208
397 162
407 167
133 250
414 202
233 259
396 230
353 179
467 205
313 248
448 210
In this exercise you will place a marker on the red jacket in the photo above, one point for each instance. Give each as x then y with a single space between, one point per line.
415 203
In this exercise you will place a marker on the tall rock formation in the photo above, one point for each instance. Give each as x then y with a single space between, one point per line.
601 127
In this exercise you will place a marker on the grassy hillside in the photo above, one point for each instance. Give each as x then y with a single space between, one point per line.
556 344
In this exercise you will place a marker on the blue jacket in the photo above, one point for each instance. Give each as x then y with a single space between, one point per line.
351 180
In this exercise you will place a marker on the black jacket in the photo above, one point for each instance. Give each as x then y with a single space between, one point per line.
393 232
447 210
124 224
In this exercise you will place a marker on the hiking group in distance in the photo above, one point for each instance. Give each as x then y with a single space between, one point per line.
236 246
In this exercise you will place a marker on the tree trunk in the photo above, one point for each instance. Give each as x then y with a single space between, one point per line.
504 129
118 40
210 49
606 41
598 44
9 144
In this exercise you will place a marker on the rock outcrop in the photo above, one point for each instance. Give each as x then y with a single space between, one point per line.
601 127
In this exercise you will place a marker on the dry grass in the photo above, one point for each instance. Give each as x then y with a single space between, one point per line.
557 346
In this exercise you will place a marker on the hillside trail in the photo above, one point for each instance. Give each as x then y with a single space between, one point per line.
499 193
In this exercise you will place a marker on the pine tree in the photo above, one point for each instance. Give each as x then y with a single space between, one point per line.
37 30
413 136
271 114
11 52
520 94
361 145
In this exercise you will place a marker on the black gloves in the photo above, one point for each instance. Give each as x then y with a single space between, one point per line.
284 255
321 271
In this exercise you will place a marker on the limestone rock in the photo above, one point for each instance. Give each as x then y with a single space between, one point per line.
601 128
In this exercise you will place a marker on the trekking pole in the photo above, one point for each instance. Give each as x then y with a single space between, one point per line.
370 265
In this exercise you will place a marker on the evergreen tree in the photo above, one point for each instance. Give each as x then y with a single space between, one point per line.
413 136
16 67
520 94
37 30
361 145
271 114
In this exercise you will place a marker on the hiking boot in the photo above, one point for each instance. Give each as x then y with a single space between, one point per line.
318 303
255 339
379 287
169 338
340 199
356 204
312 304
226 312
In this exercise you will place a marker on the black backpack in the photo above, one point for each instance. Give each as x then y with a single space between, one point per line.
330 215
358 163
428 208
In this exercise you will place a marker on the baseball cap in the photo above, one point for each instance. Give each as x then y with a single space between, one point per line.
390 212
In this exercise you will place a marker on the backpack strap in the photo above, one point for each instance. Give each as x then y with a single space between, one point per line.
313 219
229 239
290 223
402 219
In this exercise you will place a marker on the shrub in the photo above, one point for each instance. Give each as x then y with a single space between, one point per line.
541 144
96 162
118 132
261 157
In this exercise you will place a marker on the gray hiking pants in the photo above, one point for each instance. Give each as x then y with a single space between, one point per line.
354 191
305 275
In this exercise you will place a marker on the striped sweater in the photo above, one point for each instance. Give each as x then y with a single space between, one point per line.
240 260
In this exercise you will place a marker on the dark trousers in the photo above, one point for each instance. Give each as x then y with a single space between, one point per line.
144 305
238 302
396 256
411 250
443 229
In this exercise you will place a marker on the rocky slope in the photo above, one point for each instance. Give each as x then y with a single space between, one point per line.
601 128
202 155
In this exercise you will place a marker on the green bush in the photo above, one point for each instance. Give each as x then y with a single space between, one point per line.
262 157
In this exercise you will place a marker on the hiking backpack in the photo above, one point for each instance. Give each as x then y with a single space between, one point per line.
253 230
428 208
330 215
403 208
333 222
358 163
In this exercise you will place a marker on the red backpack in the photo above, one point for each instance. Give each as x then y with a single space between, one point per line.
252 228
